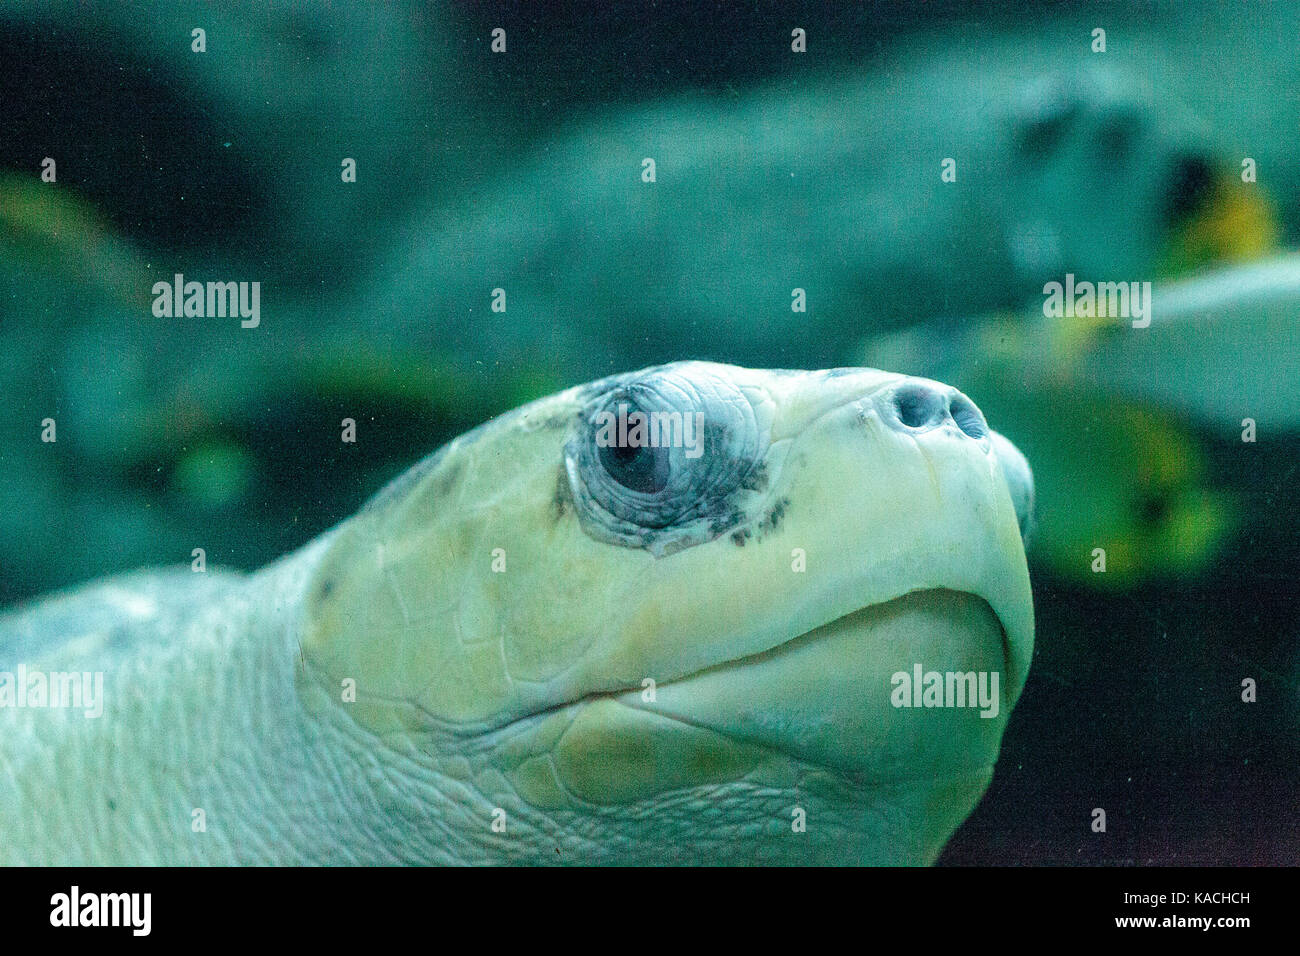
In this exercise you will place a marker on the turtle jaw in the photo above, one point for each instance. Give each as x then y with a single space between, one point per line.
814 723
842 695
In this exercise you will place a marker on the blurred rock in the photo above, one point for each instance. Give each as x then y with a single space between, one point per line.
235 153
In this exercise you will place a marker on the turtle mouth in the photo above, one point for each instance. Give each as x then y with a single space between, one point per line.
821 712
915 686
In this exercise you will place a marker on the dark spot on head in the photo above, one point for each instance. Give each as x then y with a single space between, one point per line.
112 804
563 496
760 529
326 589
722 518
773 520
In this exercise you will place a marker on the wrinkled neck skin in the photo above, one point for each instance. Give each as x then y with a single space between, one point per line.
213 746
219 745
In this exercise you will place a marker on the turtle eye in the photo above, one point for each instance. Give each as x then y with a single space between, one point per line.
658 457
629 457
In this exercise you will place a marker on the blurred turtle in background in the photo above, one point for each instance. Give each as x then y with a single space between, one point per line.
781 226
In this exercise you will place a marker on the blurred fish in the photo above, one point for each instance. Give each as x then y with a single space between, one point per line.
1221 347
1124 497
1116 418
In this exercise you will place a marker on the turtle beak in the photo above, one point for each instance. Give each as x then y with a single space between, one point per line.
1020 482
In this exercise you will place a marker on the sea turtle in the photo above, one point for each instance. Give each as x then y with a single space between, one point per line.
561 639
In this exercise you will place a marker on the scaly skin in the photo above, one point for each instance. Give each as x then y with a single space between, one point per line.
209 659
210 707
206 674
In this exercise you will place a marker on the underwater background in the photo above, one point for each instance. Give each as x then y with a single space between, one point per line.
379 170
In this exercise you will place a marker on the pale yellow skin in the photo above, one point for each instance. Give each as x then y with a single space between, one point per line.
505 715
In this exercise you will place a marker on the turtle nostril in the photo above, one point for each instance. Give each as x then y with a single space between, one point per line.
968 417
918 405
921 405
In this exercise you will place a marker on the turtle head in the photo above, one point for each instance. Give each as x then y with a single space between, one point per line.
695 611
